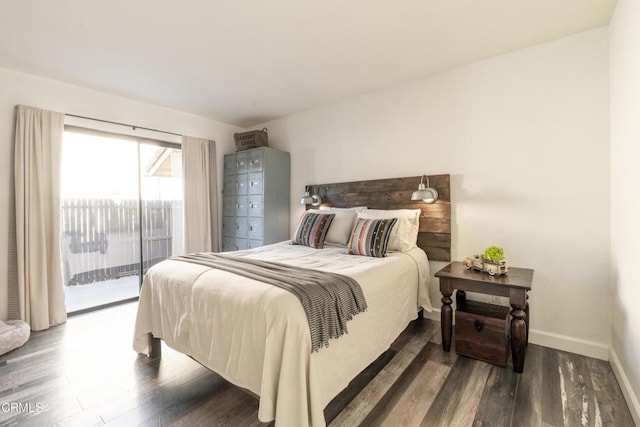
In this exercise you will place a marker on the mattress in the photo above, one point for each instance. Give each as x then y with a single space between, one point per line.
257 336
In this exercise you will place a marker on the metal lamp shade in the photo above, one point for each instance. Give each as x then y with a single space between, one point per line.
308 199
424 193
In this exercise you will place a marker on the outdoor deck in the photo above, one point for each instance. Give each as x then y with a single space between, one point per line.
81 297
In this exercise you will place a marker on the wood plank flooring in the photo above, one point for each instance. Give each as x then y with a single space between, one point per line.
85 373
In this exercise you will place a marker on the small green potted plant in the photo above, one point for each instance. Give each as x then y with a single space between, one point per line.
494 255
493 261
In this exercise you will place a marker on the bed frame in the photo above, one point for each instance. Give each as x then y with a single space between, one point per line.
434 236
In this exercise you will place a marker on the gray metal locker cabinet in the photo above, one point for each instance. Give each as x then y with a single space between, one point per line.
255 198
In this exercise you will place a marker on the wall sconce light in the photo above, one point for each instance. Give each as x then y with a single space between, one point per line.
425 193
308 199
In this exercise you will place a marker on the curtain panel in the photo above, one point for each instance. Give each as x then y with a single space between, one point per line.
37 160
200 195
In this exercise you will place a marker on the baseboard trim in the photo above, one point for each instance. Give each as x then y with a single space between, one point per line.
556 341
627 391
570 344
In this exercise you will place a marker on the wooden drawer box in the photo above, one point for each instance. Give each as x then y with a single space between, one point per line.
481 332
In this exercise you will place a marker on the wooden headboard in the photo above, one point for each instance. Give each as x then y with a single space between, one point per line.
395 193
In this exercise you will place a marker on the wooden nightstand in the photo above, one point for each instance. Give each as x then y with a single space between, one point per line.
514 285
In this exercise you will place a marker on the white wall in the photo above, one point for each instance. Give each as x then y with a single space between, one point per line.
625 197
525 137
18 88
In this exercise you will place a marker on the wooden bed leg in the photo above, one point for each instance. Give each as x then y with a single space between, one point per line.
155 348
421 314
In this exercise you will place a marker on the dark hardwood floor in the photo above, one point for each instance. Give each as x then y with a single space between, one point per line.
85 373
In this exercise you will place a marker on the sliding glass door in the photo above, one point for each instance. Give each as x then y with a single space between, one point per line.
111 185
161 203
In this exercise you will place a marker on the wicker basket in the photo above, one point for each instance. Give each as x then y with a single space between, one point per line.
251 139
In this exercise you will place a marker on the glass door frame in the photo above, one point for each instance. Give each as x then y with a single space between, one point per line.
139 141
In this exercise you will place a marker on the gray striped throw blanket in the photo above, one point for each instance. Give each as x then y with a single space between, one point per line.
329 300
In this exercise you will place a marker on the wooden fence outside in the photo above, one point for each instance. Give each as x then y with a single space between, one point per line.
100 237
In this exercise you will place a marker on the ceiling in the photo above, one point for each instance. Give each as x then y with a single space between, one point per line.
245 62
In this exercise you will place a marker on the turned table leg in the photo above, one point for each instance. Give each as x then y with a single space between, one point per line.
446 319
518 337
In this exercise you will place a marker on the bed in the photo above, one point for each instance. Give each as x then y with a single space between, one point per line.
257 336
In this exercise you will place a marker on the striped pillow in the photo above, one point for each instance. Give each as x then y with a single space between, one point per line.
312 229
370 237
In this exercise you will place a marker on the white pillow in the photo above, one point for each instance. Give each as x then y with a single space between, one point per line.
342 224
404 234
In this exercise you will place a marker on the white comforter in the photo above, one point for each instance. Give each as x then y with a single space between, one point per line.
257 336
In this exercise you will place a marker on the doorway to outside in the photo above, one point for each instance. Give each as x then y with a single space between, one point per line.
122 212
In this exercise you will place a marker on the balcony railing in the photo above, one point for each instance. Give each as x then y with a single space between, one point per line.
101 237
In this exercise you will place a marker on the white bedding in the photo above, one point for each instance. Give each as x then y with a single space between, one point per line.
257 336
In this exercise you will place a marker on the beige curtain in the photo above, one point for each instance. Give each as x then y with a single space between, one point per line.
38 148
200 195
